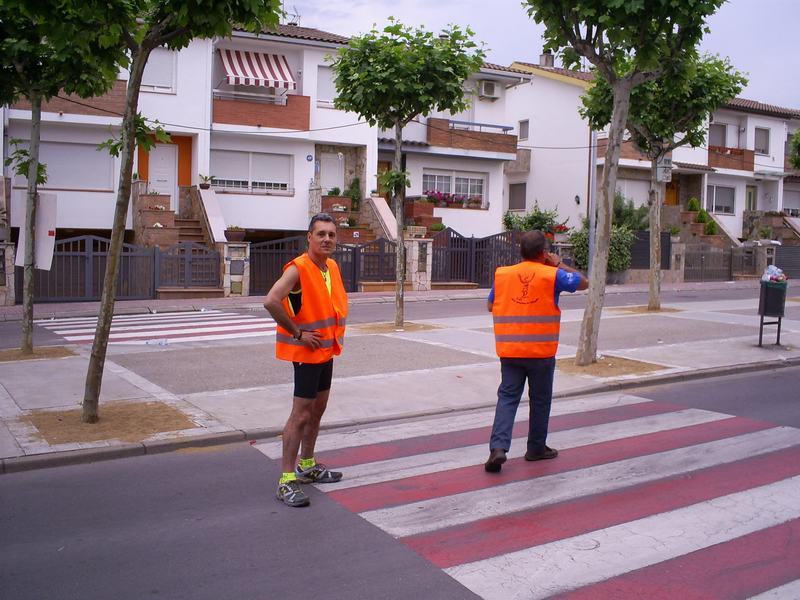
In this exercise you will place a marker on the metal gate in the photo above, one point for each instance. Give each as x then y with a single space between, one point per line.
79 268
459 258
640 250
788 259
372 261
187 264
707 263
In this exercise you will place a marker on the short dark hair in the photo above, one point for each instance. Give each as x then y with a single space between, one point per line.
322 216
532 244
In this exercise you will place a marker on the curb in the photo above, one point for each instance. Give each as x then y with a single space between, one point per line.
57 459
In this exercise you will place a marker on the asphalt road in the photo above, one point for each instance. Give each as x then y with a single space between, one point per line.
204 524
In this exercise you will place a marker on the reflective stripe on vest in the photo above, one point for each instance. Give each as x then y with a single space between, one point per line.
527 320
321 311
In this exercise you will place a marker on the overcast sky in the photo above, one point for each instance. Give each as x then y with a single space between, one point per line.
759 36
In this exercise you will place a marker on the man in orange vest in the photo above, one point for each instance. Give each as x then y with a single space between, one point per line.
309 304
524 304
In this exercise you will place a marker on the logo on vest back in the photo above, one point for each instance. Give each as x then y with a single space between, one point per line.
526 285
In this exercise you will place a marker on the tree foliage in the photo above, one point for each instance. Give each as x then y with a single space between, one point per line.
628 215
794 150
394 75
619 256
673 110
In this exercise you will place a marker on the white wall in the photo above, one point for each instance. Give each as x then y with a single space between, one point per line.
556 175
77 208
733 223
777 140
259 211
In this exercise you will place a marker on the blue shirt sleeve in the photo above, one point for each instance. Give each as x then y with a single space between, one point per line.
491 295
566 282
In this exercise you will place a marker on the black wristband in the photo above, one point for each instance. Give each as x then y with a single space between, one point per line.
298 335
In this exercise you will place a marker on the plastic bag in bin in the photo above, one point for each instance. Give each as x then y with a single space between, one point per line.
774 274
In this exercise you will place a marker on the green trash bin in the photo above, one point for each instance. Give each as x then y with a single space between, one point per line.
772 303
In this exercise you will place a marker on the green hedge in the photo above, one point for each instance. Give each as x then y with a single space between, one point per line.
619 254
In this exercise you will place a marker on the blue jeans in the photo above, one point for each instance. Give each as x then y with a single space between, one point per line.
538 372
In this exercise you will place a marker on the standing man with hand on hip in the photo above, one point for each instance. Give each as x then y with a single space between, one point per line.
309 304
524 304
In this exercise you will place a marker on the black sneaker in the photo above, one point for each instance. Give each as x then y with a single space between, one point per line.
496 459
291 494
319 473
548 452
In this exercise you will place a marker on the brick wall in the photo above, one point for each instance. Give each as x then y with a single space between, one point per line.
296 114
440 134
108 105
731 158
628 150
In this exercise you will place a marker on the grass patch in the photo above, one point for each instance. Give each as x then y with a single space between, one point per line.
125 421
14 354
608 366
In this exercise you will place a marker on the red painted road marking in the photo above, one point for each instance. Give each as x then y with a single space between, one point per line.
748 565
471 478
357 455
507 533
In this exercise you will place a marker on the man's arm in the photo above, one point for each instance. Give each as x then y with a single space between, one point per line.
554 260
274 304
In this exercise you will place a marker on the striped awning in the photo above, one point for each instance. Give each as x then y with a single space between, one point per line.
257 69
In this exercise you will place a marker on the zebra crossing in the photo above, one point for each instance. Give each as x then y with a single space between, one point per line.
188 326
646 500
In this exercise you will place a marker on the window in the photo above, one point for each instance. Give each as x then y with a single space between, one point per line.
716 135
326 89
523 129
472 187
432 182
720 199
516 196
159 73
762 140
74 166
251 171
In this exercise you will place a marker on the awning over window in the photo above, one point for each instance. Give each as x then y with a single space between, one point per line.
257 69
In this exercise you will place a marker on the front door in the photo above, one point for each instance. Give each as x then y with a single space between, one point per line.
163 171
671 194
331 172
751 198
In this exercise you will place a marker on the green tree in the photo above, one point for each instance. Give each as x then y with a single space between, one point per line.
794 150
667 113
146 25
50 46
392 76
627 43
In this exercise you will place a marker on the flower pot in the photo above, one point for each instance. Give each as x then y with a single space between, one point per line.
234 235
205 186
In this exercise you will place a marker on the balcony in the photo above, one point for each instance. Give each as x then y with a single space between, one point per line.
108 105
465 135
286 112
740 159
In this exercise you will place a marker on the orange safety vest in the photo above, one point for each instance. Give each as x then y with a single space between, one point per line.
323 312
527 319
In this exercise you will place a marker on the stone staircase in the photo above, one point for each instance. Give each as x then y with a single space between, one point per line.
190 230
352 228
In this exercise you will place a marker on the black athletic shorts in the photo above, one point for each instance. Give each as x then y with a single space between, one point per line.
311 378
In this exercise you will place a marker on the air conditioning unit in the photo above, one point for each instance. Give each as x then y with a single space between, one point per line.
488 89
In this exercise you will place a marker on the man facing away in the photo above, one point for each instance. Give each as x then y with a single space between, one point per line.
524 305
309 304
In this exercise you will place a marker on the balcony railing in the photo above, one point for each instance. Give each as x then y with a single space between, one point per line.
294 113
468 135
722 157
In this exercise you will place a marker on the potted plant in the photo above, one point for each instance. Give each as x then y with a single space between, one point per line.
234 233
205 181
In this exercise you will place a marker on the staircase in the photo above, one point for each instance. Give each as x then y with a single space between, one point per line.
341 209
190 230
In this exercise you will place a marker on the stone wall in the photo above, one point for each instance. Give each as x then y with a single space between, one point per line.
355 163
7 291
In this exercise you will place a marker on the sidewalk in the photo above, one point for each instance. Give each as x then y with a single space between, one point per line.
440 365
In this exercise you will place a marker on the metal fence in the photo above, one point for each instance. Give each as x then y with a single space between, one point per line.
373 261
743 261
707 263
469 259
788 259
640 250
187 264
78 271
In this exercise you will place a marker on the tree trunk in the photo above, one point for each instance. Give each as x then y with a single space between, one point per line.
400 278
94 374
26 347
590 326
654 302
